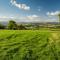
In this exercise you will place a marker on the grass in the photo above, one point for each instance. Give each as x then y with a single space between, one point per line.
29 45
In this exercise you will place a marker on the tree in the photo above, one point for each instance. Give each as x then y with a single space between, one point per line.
59 17
12 25
2 26
21 27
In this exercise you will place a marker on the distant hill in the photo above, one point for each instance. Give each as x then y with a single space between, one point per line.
5 22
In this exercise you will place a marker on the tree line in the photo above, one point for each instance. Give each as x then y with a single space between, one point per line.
12 25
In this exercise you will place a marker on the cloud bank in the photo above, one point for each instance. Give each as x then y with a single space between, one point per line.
53 13
29 18
20 6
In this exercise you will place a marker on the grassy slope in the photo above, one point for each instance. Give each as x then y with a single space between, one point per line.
29 45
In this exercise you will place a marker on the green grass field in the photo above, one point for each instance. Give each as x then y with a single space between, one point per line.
29 45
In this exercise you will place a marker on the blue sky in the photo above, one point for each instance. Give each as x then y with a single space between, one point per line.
29 10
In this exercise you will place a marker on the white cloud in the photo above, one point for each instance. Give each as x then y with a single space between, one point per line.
3 16
53 13
7 17
20 6
31 17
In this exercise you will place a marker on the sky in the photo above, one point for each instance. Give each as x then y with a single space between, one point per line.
29 10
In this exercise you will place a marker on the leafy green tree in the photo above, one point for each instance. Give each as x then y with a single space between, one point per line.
29 25
2 26
37 27
12 25
59 17
21 27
